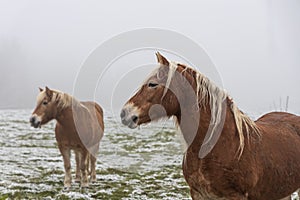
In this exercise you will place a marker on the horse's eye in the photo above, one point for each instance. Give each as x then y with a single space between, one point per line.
45 103
152 85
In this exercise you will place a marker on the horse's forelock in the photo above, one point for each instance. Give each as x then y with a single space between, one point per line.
172 69
40 97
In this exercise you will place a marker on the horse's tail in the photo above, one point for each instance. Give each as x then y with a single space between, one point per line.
99 109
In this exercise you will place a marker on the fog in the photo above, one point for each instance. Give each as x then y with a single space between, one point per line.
254 44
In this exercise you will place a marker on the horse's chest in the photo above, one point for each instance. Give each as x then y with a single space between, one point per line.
67 138
197 178
193 173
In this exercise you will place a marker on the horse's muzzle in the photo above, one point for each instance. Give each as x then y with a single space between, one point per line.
129 119
35 122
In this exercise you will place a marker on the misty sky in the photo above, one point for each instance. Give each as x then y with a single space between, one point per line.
254 44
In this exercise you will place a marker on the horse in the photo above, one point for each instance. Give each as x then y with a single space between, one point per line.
228 156
79 128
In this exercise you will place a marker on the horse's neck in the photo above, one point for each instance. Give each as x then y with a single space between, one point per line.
75 113
195 127
65 116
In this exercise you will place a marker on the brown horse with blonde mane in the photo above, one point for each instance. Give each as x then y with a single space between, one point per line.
79 127
228 155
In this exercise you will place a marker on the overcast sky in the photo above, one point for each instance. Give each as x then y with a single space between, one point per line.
254 44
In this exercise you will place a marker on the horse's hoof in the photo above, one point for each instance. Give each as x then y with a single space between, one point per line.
93 180
84 185
77 180
67 188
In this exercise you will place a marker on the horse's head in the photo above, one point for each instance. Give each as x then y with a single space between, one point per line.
46 108
155 99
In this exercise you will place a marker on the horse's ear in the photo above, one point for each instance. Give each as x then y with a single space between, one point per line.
162 60
49 92
41 90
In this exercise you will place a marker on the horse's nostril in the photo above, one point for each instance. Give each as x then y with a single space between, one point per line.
134 118
31 120
122 115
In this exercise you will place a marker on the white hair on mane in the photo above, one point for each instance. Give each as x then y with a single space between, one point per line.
205 90
171 72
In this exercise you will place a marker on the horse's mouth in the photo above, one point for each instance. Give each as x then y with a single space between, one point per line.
132 125
129 123
35 121
136 122
36 124
133 119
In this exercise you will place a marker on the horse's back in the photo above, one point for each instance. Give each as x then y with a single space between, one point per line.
284 122
277 117
93 106
280 130
279 153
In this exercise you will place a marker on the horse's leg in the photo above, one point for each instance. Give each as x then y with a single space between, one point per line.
83 168
66 153
93 167
196 195
286 198
238 197
77 158
93 158
88 164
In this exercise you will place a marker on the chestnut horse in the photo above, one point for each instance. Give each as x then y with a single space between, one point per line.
79 127
228 155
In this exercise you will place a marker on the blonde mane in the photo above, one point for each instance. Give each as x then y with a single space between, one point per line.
64 100
207 90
